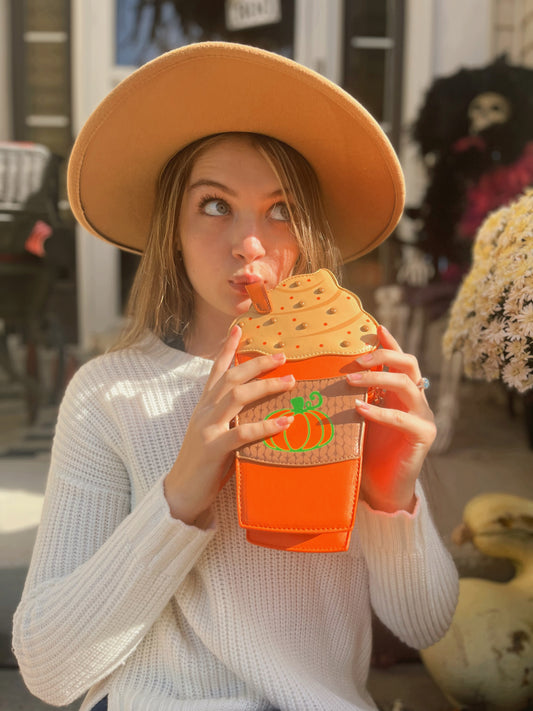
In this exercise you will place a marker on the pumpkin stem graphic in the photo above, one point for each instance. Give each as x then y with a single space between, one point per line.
298 405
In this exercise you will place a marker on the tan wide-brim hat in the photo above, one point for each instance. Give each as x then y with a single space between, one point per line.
217 87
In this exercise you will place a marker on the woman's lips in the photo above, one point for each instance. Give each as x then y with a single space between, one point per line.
239 287
239 283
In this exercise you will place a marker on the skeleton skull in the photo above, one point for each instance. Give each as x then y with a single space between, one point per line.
486 110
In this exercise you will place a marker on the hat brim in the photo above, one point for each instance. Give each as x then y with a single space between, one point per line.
218 87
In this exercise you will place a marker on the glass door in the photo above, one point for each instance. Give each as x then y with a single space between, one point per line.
373 39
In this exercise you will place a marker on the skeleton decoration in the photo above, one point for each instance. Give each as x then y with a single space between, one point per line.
486 110
475 135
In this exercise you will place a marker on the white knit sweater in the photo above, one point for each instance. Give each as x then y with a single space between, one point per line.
121 599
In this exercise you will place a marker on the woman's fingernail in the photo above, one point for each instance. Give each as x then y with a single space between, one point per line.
285 421
361 404
278 357
287 378
352 377
366 358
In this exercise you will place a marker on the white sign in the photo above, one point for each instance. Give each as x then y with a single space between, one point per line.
241 14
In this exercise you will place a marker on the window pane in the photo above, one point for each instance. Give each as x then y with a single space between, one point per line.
47 78
373 44
365 79
147 28
366 18
46 16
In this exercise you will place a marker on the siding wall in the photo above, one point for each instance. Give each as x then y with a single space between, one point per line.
513 30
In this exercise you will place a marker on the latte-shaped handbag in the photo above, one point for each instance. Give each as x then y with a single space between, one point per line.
298 490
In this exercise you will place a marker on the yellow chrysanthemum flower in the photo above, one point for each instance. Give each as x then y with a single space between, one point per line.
491 319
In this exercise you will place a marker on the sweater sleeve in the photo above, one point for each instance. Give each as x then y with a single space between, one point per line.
100 575
413 579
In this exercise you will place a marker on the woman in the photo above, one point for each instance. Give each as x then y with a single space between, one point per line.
142 590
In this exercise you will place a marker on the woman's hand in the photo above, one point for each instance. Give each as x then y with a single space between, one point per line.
399 431
206 454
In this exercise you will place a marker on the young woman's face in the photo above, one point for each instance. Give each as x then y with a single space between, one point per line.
234 228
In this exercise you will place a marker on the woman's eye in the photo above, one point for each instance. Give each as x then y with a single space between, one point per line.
280 211
215 207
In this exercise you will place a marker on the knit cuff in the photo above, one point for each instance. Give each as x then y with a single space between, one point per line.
392 532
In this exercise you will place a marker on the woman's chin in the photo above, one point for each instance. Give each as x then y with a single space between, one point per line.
243 306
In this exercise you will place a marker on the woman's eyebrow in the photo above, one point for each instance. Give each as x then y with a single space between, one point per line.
279 191
207 183
203 183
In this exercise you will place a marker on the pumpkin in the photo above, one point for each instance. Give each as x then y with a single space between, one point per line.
311 428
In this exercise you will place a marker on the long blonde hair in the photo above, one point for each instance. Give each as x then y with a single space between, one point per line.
162 298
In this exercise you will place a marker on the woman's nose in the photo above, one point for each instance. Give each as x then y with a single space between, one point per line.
248 246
